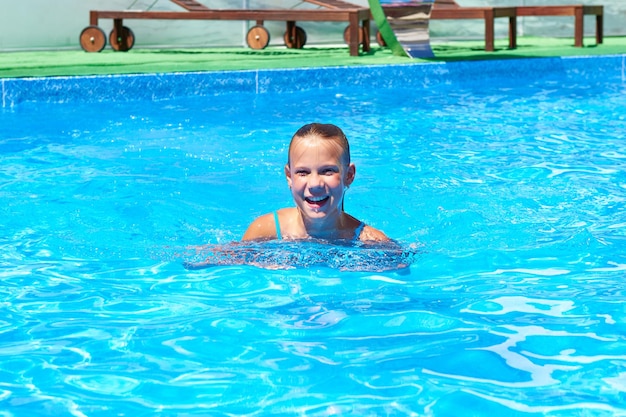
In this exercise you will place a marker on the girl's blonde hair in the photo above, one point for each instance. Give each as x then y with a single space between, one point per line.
328 132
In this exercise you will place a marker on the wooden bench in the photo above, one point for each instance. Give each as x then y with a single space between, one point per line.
121 38
449 9
578 11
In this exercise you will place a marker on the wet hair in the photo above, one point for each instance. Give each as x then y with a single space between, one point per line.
327 132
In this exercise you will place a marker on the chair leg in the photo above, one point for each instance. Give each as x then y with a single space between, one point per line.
354 29
513 32
579 27
489 31
366 35
599 28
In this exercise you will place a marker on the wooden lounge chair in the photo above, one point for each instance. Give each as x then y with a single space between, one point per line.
578 11
121 38
449 9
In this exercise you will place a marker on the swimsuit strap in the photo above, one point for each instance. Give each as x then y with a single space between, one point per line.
278 236
358 230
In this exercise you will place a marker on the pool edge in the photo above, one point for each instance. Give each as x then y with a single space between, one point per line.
161 86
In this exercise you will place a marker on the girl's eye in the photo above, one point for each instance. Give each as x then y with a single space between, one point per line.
301 173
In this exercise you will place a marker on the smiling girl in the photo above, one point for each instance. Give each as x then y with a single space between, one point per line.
318 172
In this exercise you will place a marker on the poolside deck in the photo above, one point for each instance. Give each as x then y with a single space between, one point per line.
77 62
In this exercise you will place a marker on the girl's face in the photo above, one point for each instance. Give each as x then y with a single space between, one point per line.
318 177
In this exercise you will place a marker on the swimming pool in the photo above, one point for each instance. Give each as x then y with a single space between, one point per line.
508 175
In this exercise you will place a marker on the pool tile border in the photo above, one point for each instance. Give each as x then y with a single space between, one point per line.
162 86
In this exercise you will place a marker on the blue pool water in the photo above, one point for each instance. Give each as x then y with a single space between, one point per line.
511 184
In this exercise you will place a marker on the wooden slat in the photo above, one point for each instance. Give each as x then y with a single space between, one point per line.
547 10
342 15
334 4
191 5
472 12
445 4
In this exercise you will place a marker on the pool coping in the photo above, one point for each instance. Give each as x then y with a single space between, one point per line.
162 86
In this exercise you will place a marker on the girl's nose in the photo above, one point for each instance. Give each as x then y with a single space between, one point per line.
316 181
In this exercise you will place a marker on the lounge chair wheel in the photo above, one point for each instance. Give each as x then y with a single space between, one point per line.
123 41
258 37
380 39
346 35
93 39
298 40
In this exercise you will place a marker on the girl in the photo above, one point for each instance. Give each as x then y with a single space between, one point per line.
318 173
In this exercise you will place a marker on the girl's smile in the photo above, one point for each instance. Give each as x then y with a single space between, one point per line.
317 203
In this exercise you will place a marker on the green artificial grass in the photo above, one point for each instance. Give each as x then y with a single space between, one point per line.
137 61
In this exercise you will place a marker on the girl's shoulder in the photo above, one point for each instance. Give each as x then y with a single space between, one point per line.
366 233
370 234
262 228
268 226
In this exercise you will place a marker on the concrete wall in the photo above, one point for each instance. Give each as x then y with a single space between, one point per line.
56 24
